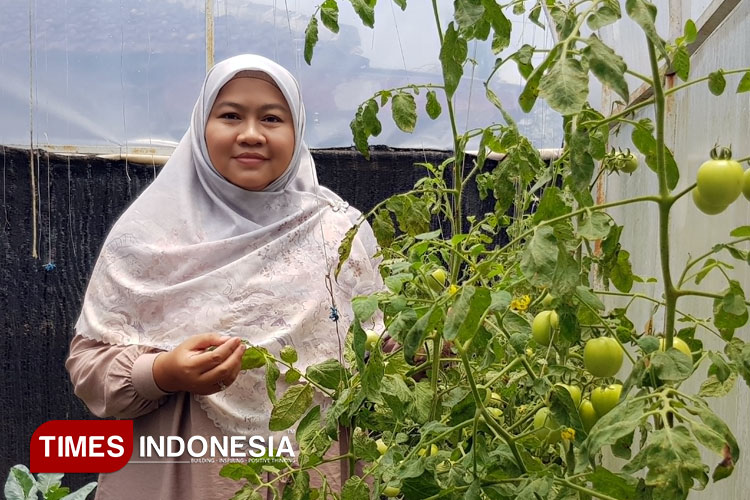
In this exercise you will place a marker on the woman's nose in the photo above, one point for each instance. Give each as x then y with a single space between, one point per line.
251 133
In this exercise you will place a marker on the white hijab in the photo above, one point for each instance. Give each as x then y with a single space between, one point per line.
195 253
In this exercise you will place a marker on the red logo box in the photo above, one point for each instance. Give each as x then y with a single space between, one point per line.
81 446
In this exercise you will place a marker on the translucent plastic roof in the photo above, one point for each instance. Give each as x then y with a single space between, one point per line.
126 73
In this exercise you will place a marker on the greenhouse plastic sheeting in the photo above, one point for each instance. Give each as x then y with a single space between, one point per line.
123 74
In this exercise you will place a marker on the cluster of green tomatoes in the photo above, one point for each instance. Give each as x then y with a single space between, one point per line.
602 358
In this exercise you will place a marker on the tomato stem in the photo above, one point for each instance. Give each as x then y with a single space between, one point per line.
666 199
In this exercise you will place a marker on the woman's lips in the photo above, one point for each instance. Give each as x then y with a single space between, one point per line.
249 161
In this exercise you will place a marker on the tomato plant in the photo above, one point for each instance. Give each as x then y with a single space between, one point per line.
517 378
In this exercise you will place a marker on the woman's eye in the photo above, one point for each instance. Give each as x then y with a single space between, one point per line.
229 116
272 118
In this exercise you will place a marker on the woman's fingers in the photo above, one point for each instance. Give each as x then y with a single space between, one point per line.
224 374
208 360
203 341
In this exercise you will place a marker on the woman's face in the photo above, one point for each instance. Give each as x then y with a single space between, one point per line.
250 133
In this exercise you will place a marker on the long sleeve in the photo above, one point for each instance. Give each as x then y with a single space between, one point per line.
112 380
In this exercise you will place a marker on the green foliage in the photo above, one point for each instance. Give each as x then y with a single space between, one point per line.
21 484
466 375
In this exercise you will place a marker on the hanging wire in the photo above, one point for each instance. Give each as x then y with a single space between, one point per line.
148 87
34 242
209 34
67 134
6 226
49 210
122 91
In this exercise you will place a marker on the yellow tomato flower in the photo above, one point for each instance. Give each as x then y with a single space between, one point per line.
569 434
520 304
452 289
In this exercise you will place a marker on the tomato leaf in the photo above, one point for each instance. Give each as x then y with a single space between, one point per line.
452 56
551 205
595 226
364 307
462 320
469 15
712 387
673 462
310 435
396 394
539 259
671 365
355 488
607 66
329 374
681 63
619 422
618 486
714 434
690 31
740 232
383 228
716 82
643 139
501 25
311 38
585 295
329 14
272 376
621 273
433 105
719 366
643 13
581 161
253 357
365 9
373 376
414 337
565 86
346 248
404 110
730 311
292 405
744 85
607 13
237 471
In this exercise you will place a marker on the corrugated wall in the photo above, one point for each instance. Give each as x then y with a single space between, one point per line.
701 120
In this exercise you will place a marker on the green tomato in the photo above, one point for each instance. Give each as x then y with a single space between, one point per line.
706 207
720 179
746 184
372 339
288 354
605 398
546 426
542 326
433 451
495 399
602 356
628 163
496 413
547 300
575 393
382 447
588 414
437 279
678 344
391 491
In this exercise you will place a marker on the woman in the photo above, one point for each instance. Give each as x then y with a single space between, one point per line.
233 240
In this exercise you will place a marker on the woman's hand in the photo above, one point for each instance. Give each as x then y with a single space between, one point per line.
191 368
